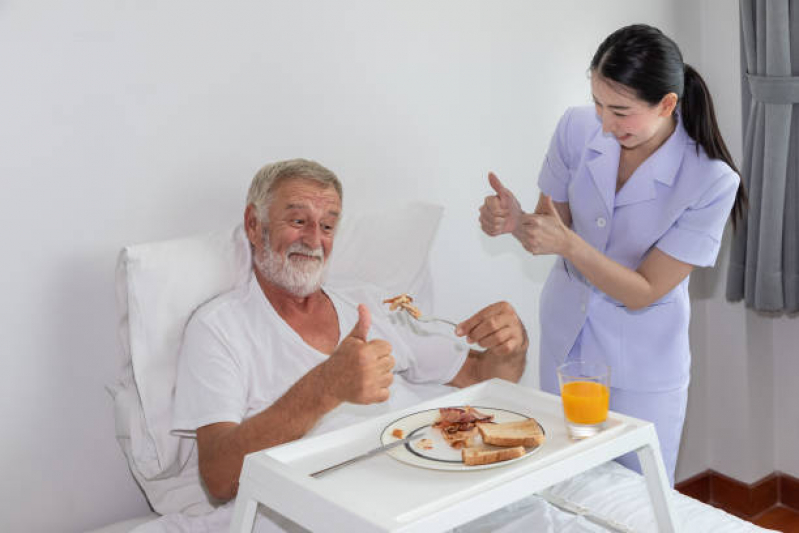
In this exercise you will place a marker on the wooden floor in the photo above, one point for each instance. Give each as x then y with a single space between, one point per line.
779 518
777 494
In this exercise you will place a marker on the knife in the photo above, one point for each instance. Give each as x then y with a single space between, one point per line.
370 453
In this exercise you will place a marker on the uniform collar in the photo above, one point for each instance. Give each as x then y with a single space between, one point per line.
604 165
661 166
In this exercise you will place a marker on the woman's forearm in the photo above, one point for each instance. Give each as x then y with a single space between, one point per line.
617 281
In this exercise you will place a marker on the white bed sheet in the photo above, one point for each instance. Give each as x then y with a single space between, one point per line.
609 494
607 498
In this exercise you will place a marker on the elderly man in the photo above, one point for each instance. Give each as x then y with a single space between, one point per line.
265 363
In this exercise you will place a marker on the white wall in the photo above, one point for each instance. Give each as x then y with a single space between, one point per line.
786 394
710 44
125 122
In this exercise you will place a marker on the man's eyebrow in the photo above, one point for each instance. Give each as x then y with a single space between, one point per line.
305 206
610 106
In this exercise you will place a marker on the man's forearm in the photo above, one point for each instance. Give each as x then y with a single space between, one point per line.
483 365
292 415
510 366
223 446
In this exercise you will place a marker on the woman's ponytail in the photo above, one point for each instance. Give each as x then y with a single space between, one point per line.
699 120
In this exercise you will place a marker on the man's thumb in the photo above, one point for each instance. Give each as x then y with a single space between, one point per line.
361 329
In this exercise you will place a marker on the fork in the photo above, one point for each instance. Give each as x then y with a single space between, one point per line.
428 319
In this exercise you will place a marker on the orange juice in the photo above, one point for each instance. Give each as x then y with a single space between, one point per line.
585 402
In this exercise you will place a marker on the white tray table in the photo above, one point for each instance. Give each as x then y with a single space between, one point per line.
383 494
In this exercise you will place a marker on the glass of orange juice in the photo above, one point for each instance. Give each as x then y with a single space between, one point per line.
585 390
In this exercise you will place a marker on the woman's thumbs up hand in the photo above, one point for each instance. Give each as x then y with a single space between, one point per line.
544 232
500 212
548 208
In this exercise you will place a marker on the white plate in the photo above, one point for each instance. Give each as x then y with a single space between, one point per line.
442 456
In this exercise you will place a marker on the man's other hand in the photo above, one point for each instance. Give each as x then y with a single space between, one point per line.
360 371
496 328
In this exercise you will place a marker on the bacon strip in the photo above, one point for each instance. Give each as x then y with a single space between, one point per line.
405 302
454 419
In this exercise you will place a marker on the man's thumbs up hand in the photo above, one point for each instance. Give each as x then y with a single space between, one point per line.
360 371
500 212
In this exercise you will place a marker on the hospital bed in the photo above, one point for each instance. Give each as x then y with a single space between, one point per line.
160 284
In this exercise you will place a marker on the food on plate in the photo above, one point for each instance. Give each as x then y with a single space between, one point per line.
527 433
405 302
458 425
397 433
483 455
425 444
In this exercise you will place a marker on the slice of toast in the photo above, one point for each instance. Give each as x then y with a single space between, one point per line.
482 455
527 433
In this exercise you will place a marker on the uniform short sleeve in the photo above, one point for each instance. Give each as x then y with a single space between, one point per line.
556 170
209 385
695 237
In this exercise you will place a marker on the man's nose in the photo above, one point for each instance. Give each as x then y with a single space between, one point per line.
312 236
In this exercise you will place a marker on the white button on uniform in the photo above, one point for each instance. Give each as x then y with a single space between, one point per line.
601 222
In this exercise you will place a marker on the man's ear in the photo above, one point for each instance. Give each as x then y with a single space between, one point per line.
668 104
251 223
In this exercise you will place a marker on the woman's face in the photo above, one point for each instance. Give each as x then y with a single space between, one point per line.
634 122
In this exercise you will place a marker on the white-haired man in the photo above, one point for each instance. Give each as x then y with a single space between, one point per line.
263 364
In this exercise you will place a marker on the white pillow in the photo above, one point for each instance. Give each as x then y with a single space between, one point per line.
159 285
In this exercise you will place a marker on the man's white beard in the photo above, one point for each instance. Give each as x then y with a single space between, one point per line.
299 277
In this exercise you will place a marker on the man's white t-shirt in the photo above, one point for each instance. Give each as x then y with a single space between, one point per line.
239 356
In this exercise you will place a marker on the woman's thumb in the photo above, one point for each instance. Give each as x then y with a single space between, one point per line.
505 196
549 207
493 180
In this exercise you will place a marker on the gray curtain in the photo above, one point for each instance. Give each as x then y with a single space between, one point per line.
764 262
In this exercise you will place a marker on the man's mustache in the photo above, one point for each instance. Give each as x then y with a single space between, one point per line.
300 248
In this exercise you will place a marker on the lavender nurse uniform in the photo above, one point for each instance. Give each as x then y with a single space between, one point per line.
678 200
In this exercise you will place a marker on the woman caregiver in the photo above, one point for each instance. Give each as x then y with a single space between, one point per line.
636 191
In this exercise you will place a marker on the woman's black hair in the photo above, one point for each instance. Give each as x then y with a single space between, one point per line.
644 60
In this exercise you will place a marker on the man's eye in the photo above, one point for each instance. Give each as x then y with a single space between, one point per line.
298 222
619 115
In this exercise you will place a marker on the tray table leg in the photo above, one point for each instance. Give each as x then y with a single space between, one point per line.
658 486
244 510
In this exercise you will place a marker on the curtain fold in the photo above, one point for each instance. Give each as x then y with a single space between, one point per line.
764 261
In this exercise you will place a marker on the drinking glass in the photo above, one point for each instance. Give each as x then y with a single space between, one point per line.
585 390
